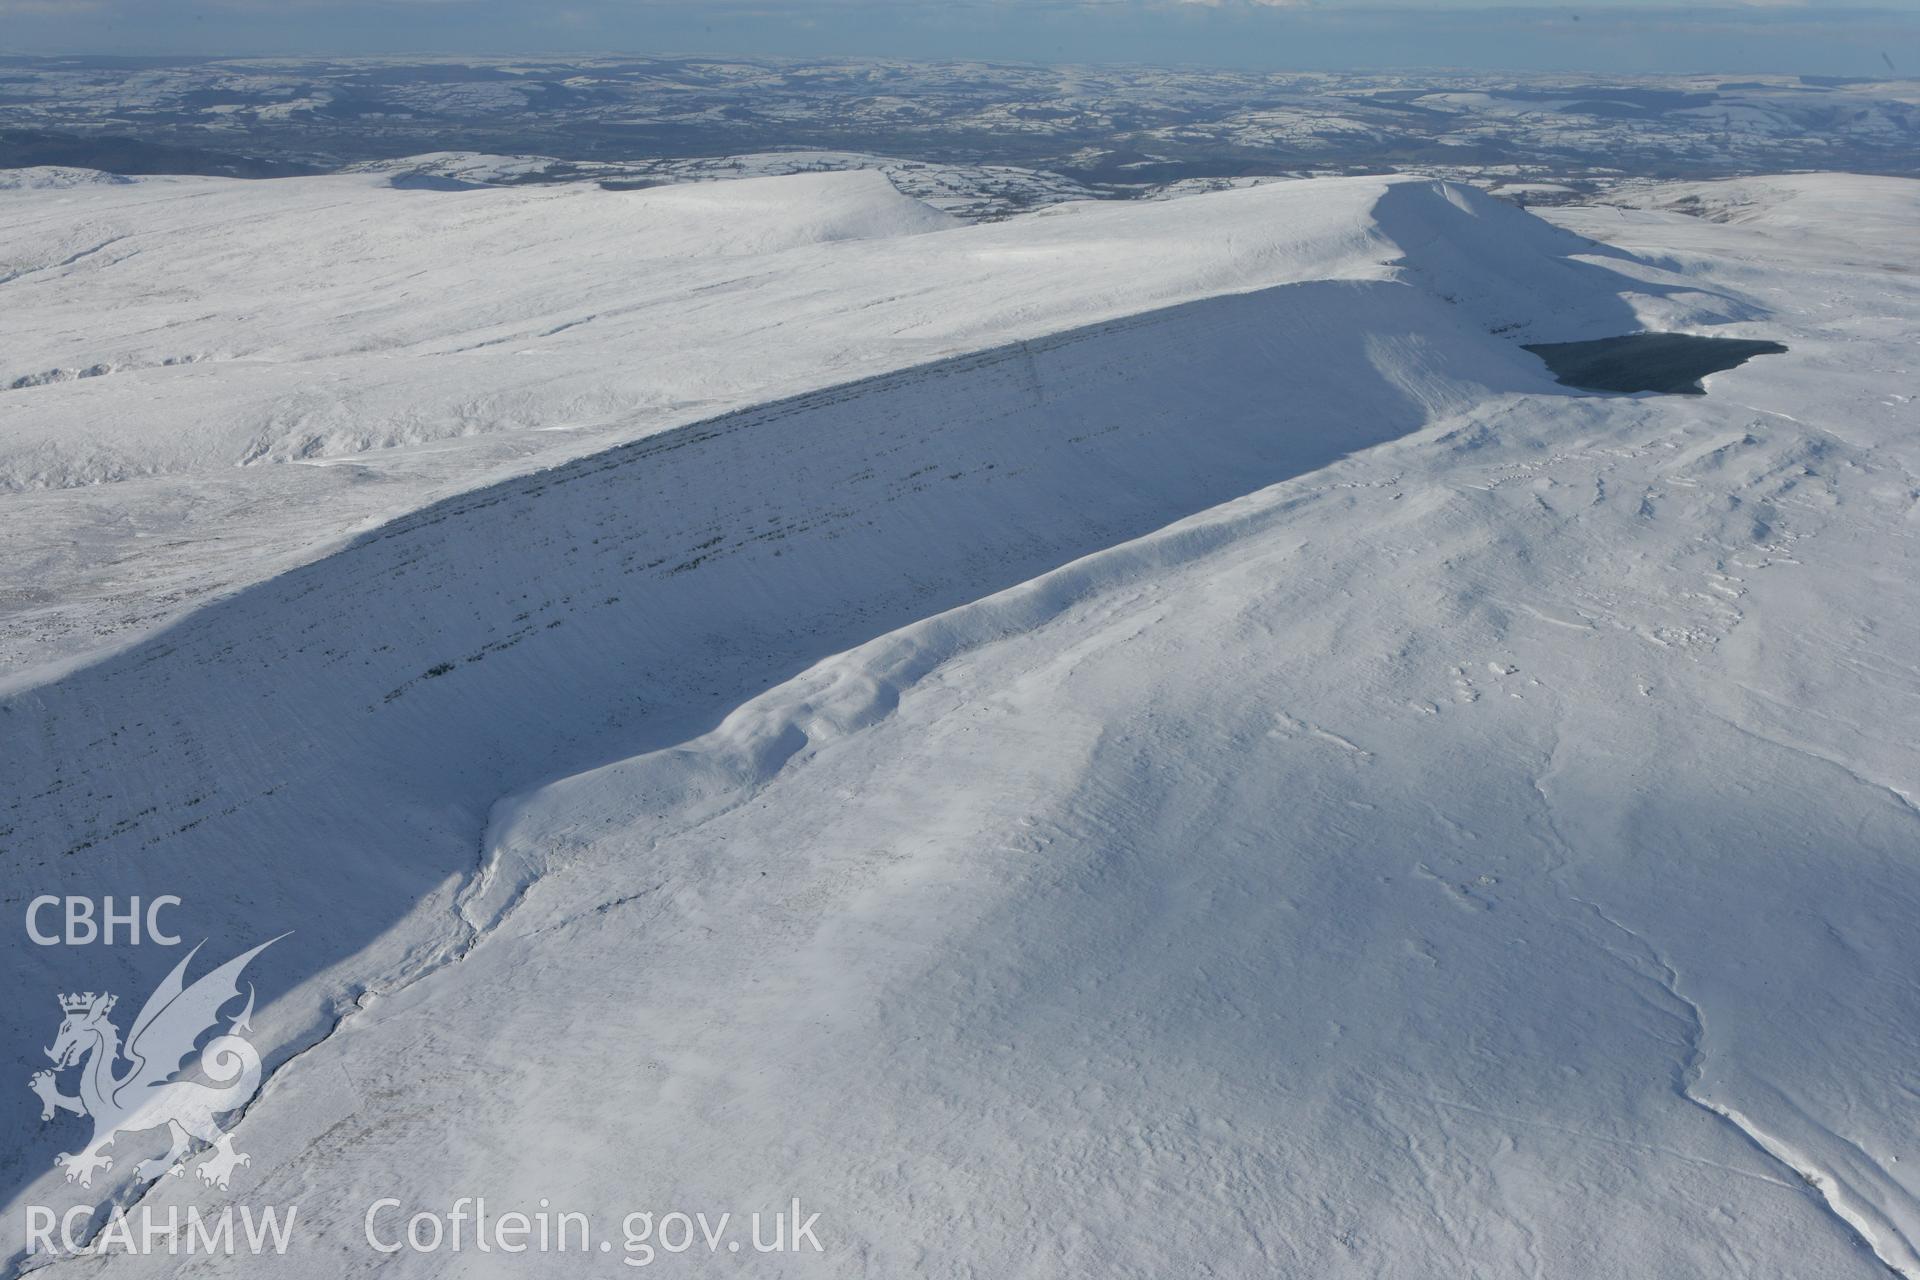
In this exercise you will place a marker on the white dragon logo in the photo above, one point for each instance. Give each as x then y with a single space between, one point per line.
148 1096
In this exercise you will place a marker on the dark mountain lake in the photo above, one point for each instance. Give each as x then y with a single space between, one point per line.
1672 363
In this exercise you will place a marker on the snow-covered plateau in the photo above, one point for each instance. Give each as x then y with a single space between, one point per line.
1142 739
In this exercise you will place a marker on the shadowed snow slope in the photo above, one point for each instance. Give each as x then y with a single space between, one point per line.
1268 780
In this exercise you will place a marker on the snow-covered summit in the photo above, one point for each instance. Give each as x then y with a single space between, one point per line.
1167 704
410 343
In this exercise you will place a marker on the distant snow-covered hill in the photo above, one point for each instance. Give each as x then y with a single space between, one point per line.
1115 128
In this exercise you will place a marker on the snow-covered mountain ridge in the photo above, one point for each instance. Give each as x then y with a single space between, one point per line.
174 336
1238 763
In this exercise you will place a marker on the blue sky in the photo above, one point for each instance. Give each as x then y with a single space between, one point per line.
1601 35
